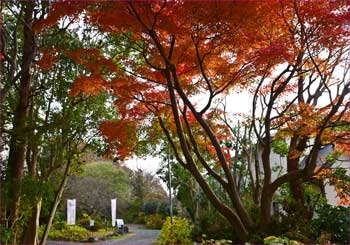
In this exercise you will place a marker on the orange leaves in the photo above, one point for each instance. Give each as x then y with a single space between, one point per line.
214 46
98 67
49 57
183 68
92 85
341 184
277 53
345 201
120 134
323 173
92 60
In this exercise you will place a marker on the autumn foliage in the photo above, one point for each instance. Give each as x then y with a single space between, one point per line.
186 57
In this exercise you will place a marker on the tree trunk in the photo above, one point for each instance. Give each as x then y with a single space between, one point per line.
30 235
297 144
55 203
18 140
297 191
235 221
1 120
265 207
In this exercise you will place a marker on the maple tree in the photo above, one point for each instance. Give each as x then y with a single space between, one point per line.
293 56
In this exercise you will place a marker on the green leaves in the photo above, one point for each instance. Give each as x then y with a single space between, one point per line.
279 240
176 232
280 147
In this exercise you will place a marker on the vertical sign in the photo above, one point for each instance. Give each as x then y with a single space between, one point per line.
92 222
71 206
114 210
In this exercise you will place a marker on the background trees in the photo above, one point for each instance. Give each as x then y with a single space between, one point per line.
96 186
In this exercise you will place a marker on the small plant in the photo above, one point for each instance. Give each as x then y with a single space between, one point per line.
279 240
179 231
154 221
213 241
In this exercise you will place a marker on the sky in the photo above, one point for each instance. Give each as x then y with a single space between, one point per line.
236 103
149 164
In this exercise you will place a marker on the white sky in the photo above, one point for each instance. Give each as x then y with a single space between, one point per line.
149 164
236 103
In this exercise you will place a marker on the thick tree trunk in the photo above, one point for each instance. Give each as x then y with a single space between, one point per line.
265 207
55 203
297 191
18 139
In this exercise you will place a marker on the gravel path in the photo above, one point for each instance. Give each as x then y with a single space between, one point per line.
140 236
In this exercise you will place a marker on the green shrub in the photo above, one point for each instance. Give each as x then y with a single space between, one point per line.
213 241
85 222
293 223
155 207
60 225
154 221
214 226
60 216
62 232
5 235
279 240
333 222
177 232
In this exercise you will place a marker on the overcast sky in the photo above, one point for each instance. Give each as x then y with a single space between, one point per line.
236 103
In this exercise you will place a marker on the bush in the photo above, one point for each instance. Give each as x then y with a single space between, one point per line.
213 241
333 223
293 223
154 221
85 222
59 225
5 235
177 232
62 232
69 233
134 217
279 240
162 208
215 226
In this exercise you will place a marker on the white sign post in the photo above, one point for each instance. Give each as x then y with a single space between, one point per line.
71 210
120 223
92 222
114 210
